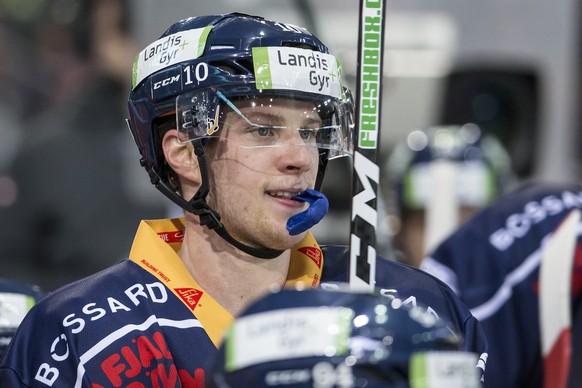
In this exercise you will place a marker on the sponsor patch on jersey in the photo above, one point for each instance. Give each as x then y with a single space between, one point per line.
190 296
142 361
172 237
313 253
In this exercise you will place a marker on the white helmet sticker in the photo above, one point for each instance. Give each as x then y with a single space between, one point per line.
285 334
169 50
444 369
13 308
298 69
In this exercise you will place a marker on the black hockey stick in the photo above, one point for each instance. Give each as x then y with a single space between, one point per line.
366 172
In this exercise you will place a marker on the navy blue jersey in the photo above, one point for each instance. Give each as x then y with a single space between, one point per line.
145 322
493 261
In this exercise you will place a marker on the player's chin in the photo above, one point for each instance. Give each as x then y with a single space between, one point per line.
282 240
296 239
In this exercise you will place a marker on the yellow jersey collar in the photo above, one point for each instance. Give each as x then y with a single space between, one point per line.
155 249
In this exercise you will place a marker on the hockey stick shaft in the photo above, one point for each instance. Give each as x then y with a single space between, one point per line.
366 172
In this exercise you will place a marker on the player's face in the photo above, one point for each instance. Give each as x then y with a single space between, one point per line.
256 169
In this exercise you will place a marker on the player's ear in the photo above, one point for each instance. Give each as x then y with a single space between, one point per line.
180 157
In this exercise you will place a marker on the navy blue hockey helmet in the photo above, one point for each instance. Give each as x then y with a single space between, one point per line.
481 164
202 67
324 338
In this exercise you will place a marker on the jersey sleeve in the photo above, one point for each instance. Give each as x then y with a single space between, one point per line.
9 378
40 333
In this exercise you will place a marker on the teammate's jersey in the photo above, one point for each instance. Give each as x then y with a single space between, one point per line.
493 261
145 322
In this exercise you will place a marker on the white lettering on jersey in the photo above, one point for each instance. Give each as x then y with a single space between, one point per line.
518 225
77 321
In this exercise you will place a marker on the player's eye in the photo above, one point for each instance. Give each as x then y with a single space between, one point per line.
264 131
307 133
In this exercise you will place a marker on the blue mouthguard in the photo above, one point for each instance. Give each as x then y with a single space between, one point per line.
318 206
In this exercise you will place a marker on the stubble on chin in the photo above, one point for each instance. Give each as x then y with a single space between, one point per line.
262 233
253 226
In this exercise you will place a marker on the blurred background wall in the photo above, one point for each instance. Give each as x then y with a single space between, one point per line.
510 66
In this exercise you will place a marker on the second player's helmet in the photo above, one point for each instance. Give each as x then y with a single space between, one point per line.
437 178
16 299
325 338
203 67
482 166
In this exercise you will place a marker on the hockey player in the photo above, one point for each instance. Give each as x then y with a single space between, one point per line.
493 263
324 338
235 118
437 179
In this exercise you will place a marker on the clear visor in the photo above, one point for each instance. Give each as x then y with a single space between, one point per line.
264 120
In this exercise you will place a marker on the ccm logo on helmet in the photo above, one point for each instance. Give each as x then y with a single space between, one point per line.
167 81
